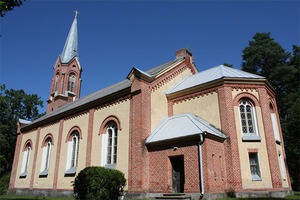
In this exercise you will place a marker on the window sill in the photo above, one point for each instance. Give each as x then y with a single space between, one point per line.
256 178
23 175
44 173
251 137
110 166
71 171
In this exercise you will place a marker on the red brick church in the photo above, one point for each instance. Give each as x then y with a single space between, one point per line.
171 129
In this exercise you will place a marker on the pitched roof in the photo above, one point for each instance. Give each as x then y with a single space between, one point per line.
87 99
182 126
211 74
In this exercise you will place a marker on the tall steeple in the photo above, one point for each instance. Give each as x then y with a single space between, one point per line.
66 81
71 46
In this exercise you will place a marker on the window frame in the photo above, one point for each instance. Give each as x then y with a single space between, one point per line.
110 146
26 158
46 157
255 174
71 82
248 136
73 153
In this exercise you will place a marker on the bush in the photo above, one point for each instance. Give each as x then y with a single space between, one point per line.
93 183
4 182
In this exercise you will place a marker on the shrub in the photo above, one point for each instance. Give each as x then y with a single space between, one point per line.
93 183
4 182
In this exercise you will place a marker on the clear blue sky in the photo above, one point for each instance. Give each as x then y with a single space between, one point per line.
115 36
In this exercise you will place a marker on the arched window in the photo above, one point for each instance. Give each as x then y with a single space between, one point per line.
110 145
26 157
46 157
71 83
248 120
73 149
56 82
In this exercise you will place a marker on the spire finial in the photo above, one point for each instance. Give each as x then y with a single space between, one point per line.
76 13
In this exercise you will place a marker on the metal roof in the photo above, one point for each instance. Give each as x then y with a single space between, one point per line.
70 49
181 126
211 74
87 99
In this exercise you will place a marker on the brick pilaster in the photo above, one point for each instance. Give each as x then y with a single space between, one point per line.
59 140
228 126
270 140
13 175
139 130
35 157
90 138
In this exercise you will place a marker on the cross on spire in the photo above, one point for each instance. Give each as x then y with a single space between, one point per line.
76 13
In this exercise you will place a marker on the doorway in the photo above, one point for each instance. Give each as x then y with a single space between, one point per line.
177 174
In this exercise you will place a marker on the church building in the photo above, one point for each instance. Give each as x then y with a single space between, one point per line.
171 129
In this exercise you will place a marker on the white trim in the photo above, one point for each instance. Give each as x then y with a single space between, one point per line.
275 127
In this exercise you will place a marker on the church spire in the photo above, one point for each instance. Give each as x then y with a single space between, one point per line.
71 46
66 81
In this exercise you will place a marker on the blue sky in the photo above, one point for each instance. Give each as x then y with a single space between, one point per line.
115 36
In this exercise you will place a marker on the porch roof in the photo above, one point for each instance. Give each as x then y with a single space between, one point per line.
182 126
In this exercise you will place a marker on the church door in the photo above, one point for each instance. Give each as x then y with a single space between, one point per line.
177 174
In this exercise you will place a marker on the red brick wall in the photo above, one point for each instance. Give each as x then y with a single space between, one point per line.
161 169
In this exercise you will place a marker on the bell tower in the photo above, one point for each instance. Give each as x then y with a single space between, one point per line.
66 81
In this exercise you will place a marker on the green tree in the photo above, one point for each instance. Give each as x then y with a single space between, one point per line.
14 105
7 5
266 57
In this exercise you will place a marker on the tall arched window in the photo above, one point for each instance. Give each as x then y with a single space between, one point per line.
56 82
26 157
248 120
110 146
71 83
46 157
73 149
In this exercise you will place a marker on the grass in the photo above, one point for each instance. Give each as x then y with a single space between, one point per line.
9 197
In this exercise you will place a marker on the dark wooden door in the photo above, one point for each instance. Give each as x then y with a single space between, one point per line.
177 174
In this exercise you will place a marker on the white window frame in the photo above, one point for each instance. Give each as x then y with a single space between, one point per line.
46 158
282 167
248 136
73 151
256 176
105 146
275 127
25 162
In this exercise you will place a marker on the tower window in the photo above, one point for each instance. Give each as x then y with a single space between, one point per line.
71 83
56 82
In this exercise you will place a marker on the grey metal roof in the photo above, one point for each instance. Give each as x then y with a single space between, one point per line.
87 99
211 74
70 49
181 126
159 68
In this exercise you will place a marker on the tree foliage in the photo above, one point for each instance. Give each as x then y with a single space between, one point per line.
8 5
14 105
94 183
266 57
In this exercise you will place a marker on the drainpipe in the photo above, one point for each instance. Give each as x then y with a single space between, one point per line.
201 141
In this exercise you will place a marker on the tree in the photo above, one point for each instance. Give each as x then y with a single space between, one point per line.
14 104
266 57
7 5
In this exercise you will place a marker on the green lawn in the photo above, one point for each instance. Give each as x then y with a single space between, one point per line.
294 197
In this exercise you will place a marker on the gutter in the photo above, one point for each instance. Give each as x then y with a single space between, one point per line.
201 182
